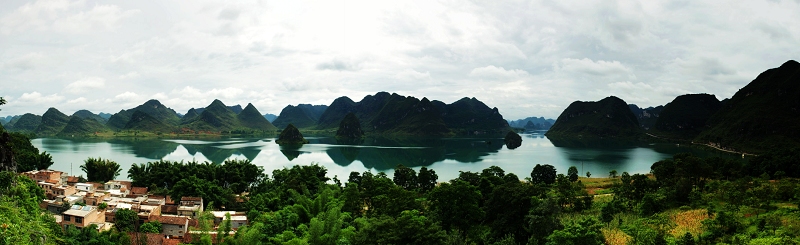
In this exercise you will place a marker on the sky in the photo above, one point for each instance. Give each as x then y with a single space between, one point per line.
527 58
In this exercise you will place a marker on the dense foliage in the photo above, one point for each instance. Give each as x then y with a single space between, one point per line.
686 200
27 156
100 170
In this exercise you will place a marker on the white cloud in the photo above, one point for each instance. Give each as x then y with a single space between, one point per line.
129 75
79 100
85 85
59 15
594 68
39 99
126 97
493 72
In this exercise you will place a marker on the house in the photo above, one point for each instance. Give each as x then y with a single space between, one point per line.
63 190
82 216
138 191
45 175
70 180
84 187
173 226
116 188
190 206
148 212
95 198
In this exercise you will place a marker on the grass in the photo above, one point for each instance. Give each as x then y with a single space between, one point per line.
615 236
688 221
598 186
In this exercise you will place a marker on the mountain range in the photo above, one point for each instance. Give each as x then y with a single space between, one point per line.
760 117
382 113
532 123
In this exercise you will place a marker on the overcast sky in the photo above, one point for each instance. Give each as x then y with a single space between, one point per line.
528 58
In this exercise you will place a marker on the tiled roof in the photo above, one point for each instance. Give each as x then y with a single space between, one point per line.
191 198
138 190
173 220
169 209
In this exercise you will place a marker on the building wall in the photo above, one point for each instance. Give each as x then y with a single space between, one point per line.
173 230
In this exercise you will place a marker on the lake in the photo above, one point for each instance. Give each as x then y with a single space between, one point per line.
446 156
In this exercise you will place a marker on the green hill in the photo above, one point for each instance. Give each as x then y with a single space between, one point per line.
761 116
119 119
191 114
154 108
291 136
251 118
53 121
609 118
142 121
78 126
350 127
88 114
301 116
336 112
216 117
385 113
26 123
686 116
471 116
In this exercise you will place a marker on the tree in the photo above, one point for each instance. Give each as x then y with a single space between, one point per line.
209 191
151 227
544 174
506 209
102 206
458 194
572 173
588 174
584 232
612 174
427 179
100 170
405 177
542 219
124 220
225 228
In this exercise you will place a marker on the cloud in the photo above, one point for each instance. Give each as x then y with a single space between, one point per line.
338 65
493 72
79 100
58 15
126 97
26 62
37 98
129 75
590 67
86 85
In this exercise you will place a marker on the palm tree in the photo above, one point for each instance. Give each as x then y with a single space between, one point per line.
100 170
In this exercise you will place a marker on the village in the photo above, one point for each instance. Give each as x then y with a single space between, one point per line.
96 204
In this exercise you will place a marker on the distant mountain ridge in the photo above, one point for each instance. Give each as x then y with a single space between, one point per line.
301 116
386 113
609 118
533 123
382 113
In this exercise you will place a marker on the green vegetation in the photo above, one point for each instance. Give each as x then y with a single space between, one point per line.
251 118
85 114
53 121
27 156
82 126
686 116
26 123
301 116
291 136
100 170
393 114
350 127
609 118
760 116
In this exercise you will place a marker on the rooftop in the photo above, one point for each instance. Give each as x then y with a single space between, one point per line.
80 211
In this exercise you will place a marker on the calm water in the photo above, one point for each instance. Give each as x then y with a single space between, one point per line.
446 156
